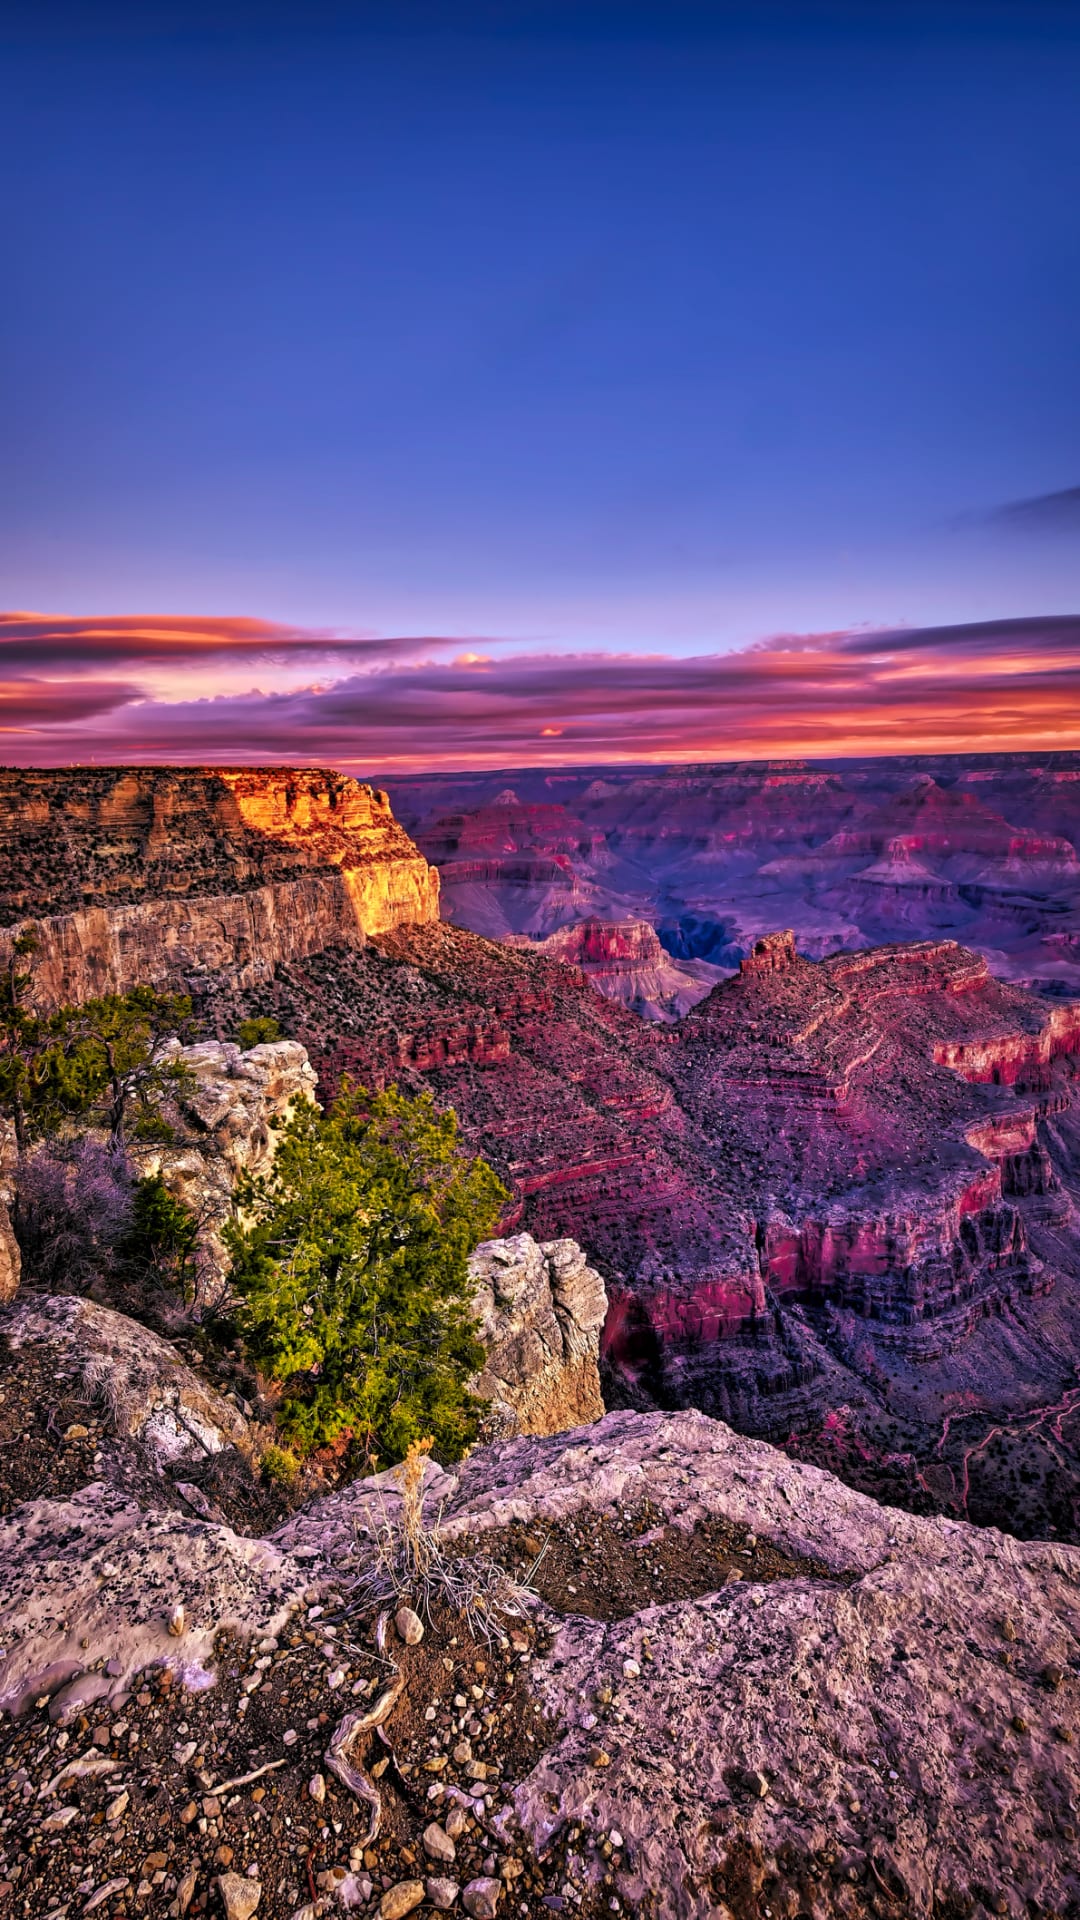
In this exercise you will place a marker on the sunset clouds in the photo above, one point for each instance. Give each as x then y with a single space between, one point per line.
152 689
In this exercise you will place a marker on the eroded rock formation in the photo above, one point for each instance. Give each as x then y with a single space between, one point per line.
225 1114
850 853
169 876
623 960
795 1204
540 1310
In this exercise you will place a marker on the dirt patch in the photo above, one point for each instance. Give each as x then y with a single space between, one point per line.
49 1432
463 1732
607 1569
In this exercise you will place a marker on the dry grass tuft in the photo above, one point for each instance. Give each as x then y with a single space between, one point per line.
407 1561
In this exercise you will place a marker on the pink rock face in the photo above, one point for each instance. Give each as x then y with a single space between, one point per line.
623 960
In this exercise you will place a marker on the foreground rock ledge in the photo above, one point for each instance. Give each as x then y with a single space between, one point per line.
777 1734
907 1716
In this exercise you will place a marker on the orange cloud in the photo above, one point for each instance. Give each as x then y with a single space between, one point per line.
1003 684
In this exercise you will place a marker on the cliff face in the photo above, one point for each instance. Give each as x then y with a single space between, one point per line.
623 960
174 875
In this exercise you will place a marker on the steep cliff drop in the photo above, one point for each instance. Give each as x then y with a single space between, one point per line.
175 876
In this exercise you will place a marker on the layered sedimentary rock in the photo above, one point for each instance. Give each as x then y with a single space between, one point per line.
849 853
169 876
796 1204
540 1311
623 960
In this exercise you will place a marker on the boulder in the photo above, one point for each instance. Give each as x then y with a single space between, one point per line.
152 1398
541 1308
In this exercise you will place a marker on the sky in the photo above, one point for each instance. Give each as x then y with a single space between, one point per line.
459 385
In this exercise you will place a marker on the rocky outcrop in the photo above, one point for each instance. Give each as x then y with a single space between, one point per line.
540 1310
895 1729
224 1114
623 960
170 876
91 1588
150 1396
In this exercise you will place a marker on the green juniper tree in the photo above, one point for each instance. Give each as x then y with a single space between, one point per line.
351 1261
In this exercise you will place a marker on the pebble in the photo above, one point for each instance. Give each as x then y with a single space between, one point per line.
442 1894
117 1808
77 1432
631 1669
410 1628
177 1621
481 1897
290 1737
438 1845
239 1895
317 1788
400 1900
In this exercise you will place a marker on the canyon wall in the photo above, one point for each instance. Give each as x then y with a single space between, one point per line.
849 853
174 876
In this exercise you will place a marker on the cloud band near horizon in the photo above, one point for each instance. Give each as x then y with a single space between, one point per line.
79 690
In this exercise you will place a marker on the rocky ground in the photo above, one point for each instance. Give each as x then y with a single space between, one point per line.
729 1685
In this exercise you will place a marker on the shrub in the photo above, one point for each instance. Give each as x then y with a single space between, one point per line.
351 1261
163 1235
74 1212
280 1466
258 1031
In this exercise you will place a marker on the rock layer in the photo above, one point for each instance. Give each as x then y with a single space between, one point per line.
850 853
623 960
168 876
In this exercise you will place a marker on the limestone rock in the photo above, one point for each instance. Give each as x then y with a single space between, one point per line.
151 1396
400 1900
868 1705
239 1896
541 1308
10 1263
224 1115
170 876
88 1590
481 1897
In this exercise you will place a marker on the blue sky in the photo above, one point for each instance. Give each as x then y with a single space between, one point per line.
633 327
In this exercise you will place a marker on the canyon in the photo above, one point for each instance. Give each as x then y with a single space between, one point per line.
825 1202
833 1203
848 853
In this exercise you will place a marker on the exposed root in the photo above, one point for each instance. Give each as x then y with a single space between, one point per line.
339 1751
